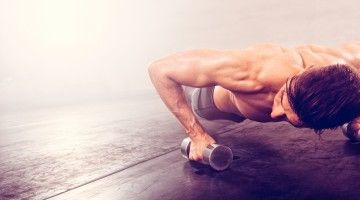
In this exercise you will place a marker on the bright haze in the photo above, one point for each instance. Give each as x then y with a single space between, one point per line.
56 52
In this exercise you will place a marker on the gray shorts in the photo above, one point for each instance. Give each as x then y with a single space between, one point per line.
202 103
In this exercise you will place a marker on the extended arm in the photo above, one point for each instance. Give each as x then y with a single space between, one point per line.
168 74
200 68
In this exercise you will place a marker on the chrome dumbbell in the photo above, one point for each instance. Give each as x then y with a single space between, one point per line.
351 134
219 157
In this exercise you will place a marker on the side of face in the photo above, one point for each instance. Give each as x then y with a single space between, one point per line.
281 109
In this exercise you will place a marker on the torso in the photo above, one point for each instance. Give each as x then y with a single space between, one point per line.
316 55
276 65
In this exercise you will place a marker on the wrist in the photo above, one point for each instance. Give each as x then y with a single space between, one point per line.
198 137
196 133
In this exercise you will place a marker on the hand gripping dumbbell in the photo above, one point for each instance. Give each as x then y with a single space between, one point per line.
219 157
354 136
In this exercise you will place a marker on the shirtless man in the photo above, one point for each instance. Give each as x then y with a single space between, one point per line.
308 86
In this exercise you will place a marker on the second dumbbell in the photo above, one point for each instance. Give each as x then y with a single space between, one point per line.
354 136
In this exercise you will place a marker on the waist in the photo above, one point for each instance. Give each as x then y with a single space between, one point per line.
224 100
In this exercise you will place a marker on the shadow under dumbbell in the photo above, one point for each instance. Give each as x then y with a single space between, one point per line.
202 169
351 147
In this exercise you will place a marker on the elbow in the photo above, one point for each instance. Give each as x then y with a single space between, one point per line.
155 69
160 72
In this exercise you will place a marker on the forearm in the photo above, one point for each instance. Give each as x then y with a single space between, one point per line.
173 96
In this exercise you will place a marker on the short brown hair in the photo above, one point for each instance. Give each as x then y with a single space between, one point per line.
325 97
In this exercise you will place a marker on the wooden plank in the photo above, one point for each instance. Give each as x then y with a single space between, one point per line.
274 161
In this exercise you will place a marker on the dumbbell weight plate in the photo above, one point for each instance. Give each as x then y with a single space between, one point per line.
218 157
185 147
352 135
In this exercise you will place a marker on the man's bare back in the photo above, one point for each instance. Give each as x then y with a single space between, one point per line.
250 82
275 65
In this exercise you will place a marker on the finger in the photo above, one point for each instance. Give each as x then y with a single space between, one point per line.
198 158
191 157
195 157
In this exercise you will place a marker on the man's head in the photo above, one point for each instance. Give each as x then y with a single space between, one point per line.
323 97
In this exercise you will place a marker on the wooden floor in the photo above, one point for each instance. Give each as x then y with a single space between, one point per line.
272 161
115 151
129 148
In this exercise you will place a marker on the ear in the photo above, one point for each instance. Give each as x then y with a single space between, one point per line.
277 108
277 111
